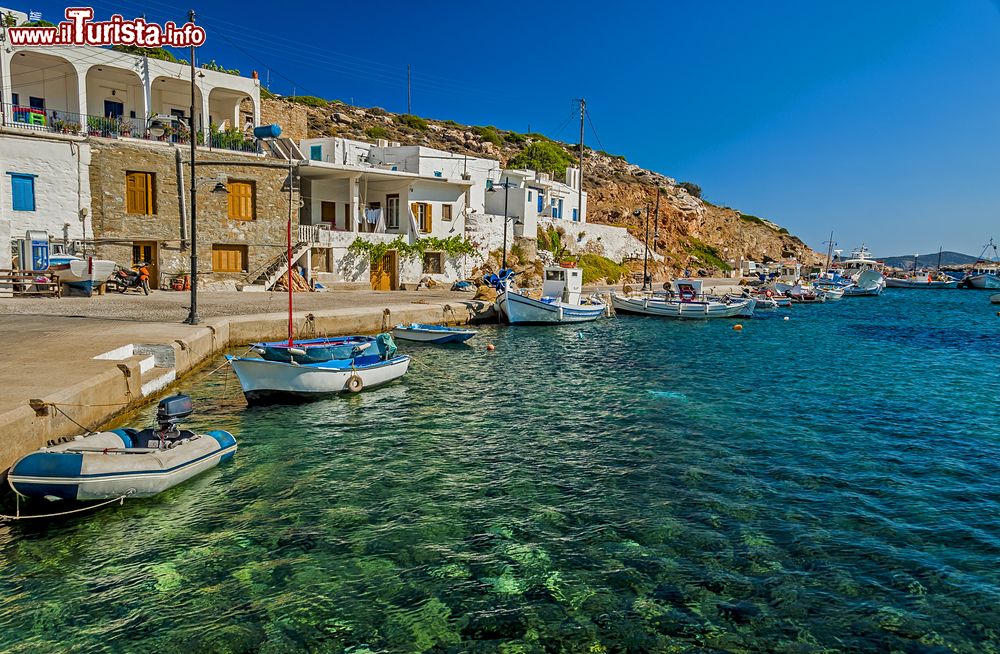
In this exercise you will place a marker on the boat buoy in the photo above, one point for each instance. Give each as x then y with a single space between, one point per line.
490 347
738 328
786 317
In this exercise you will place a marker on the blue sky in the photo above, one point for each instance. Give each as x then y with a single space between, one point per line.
877 120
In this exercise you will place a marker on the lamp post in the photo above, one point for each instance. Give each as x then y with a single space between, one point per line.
506 185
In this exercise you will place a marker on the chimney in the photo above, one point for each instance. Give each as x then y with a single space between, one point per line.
253 75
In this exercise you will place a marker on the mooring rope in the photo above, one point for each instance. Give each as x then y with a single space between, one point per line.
18 516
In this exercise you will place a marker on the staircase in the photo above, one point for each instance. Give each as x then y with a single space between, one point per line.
265 277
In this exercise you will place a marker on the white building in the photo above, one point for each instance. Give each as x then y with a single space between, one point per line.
54 99
536 196
380 192
101 90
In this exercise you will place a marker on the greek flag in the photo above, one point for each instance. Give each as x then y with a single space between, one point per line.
34 15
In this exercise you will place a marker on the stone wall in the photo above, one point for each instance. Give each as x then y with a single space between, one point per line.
293 118
115 231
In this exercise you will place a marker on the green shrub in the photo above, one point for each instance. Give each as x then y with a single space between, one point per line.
211 65
411 121
595 267
450 123
308 100
489 134
376 132
267 95
152 53
514 137
751 219
542 156
708 255
535 136
782 230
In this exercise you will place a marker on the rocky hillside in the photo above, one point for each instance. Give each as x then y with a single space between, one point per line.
691 231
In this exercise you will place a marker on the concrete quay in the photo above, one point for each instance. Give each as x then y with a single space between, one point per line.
90 359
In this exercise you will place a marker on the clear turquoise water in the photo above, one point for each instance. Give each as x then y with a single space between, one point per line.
829 483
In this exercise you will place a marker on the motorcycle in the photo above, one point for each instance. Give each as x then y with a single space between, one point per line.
136 277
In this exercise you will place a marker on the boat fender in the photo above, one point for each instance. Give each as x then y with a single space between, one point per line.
354 384
769 293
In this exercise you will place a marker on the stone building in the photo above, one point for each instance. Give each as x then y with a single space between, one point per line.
140 198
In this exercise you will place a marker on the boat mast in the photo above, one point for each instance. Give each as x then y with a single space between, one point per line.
939 258
829 251
579 189
291 184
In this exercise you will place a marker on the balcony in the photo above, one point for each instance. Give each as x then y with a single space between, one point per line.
68 122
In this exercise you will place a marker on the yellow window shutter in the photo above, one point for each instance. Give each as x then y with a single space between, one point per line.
147 182
429 218
415 209
130 193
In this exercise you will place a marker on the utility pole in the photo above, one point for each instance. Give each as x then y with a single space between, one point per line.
193 315
409 106
579 191
647 283
656 220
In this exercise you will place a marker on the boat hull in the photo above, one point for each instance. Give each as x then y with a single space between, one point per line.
986 281
79 273
520 310
112 471
892 282
273 382
644 306
432 334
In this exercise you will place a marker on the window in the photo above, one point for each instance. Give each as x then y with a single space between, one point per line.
229 258
316 152
22 191
36 103
529 196
433 263
139 193
392 212
241 200
576 215
15 98
445 212
422 212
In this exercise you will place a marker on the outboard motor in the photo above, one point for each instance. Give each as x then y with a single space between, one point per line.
172 411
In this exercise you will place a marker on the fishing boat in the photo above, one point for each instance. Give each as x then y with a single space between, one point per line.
985 273
314 350
83 274
273 382
920 281
863 275
685 301
800 294
560 302
123 462
436 334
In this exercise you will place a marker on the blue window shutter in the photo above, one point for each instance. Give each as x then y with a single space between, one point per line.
22 194
316 152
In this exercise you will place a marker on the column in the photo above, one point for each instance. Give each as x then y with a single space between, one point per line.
203 123
6 86
81 95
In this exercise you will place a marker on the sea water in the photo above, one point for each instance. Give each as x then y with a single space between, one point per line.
829 483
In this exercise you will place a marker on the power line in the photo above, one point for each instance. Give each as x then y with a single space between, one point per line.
592 129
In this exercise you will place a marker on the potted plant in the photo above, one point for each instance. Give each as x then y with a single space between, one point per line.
94 125
60 125
124 127
168 132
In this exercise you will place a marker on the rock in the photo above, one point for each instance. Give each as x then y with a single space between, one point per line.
487 293
341 118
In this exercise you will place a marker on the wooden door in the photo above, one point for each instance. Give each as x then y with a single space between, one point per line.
384 273
329 213
146 251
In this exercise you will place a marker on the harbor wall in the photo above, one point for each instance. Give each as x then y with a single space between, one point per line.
133 374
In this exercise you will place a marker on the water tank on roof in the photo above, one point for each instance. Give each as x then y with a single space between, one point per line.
271 131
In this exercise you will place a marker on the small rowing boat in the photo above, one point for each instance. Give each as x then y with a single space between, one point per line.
437 334
314 350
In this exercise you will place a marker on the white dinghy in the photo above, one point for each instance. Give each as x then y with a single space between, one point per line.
123 462
560 302
685 301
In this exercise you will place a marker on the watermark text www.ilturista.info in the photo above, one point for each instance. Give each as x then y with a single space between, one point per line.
79 28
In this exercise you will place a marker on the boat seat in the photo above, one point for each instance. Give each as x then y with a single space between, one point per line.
151 437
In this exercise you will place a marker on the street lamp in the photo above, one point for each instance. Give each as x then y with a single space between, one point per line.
506 185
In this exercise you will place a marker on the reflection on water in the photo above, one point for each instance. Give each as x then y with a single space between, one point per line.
824 484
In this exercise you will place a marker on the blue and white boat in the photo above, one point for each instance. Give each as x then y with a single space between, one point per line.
437 334
314 350
83 274
123 462
560 302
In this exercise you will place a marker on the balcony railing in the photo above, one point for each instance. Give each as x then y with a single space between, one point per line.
68 122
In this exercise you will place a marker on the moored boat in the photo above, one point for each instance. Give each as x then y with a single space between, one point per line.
685 302
560 301
920 281
123 462
273 382
437 334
